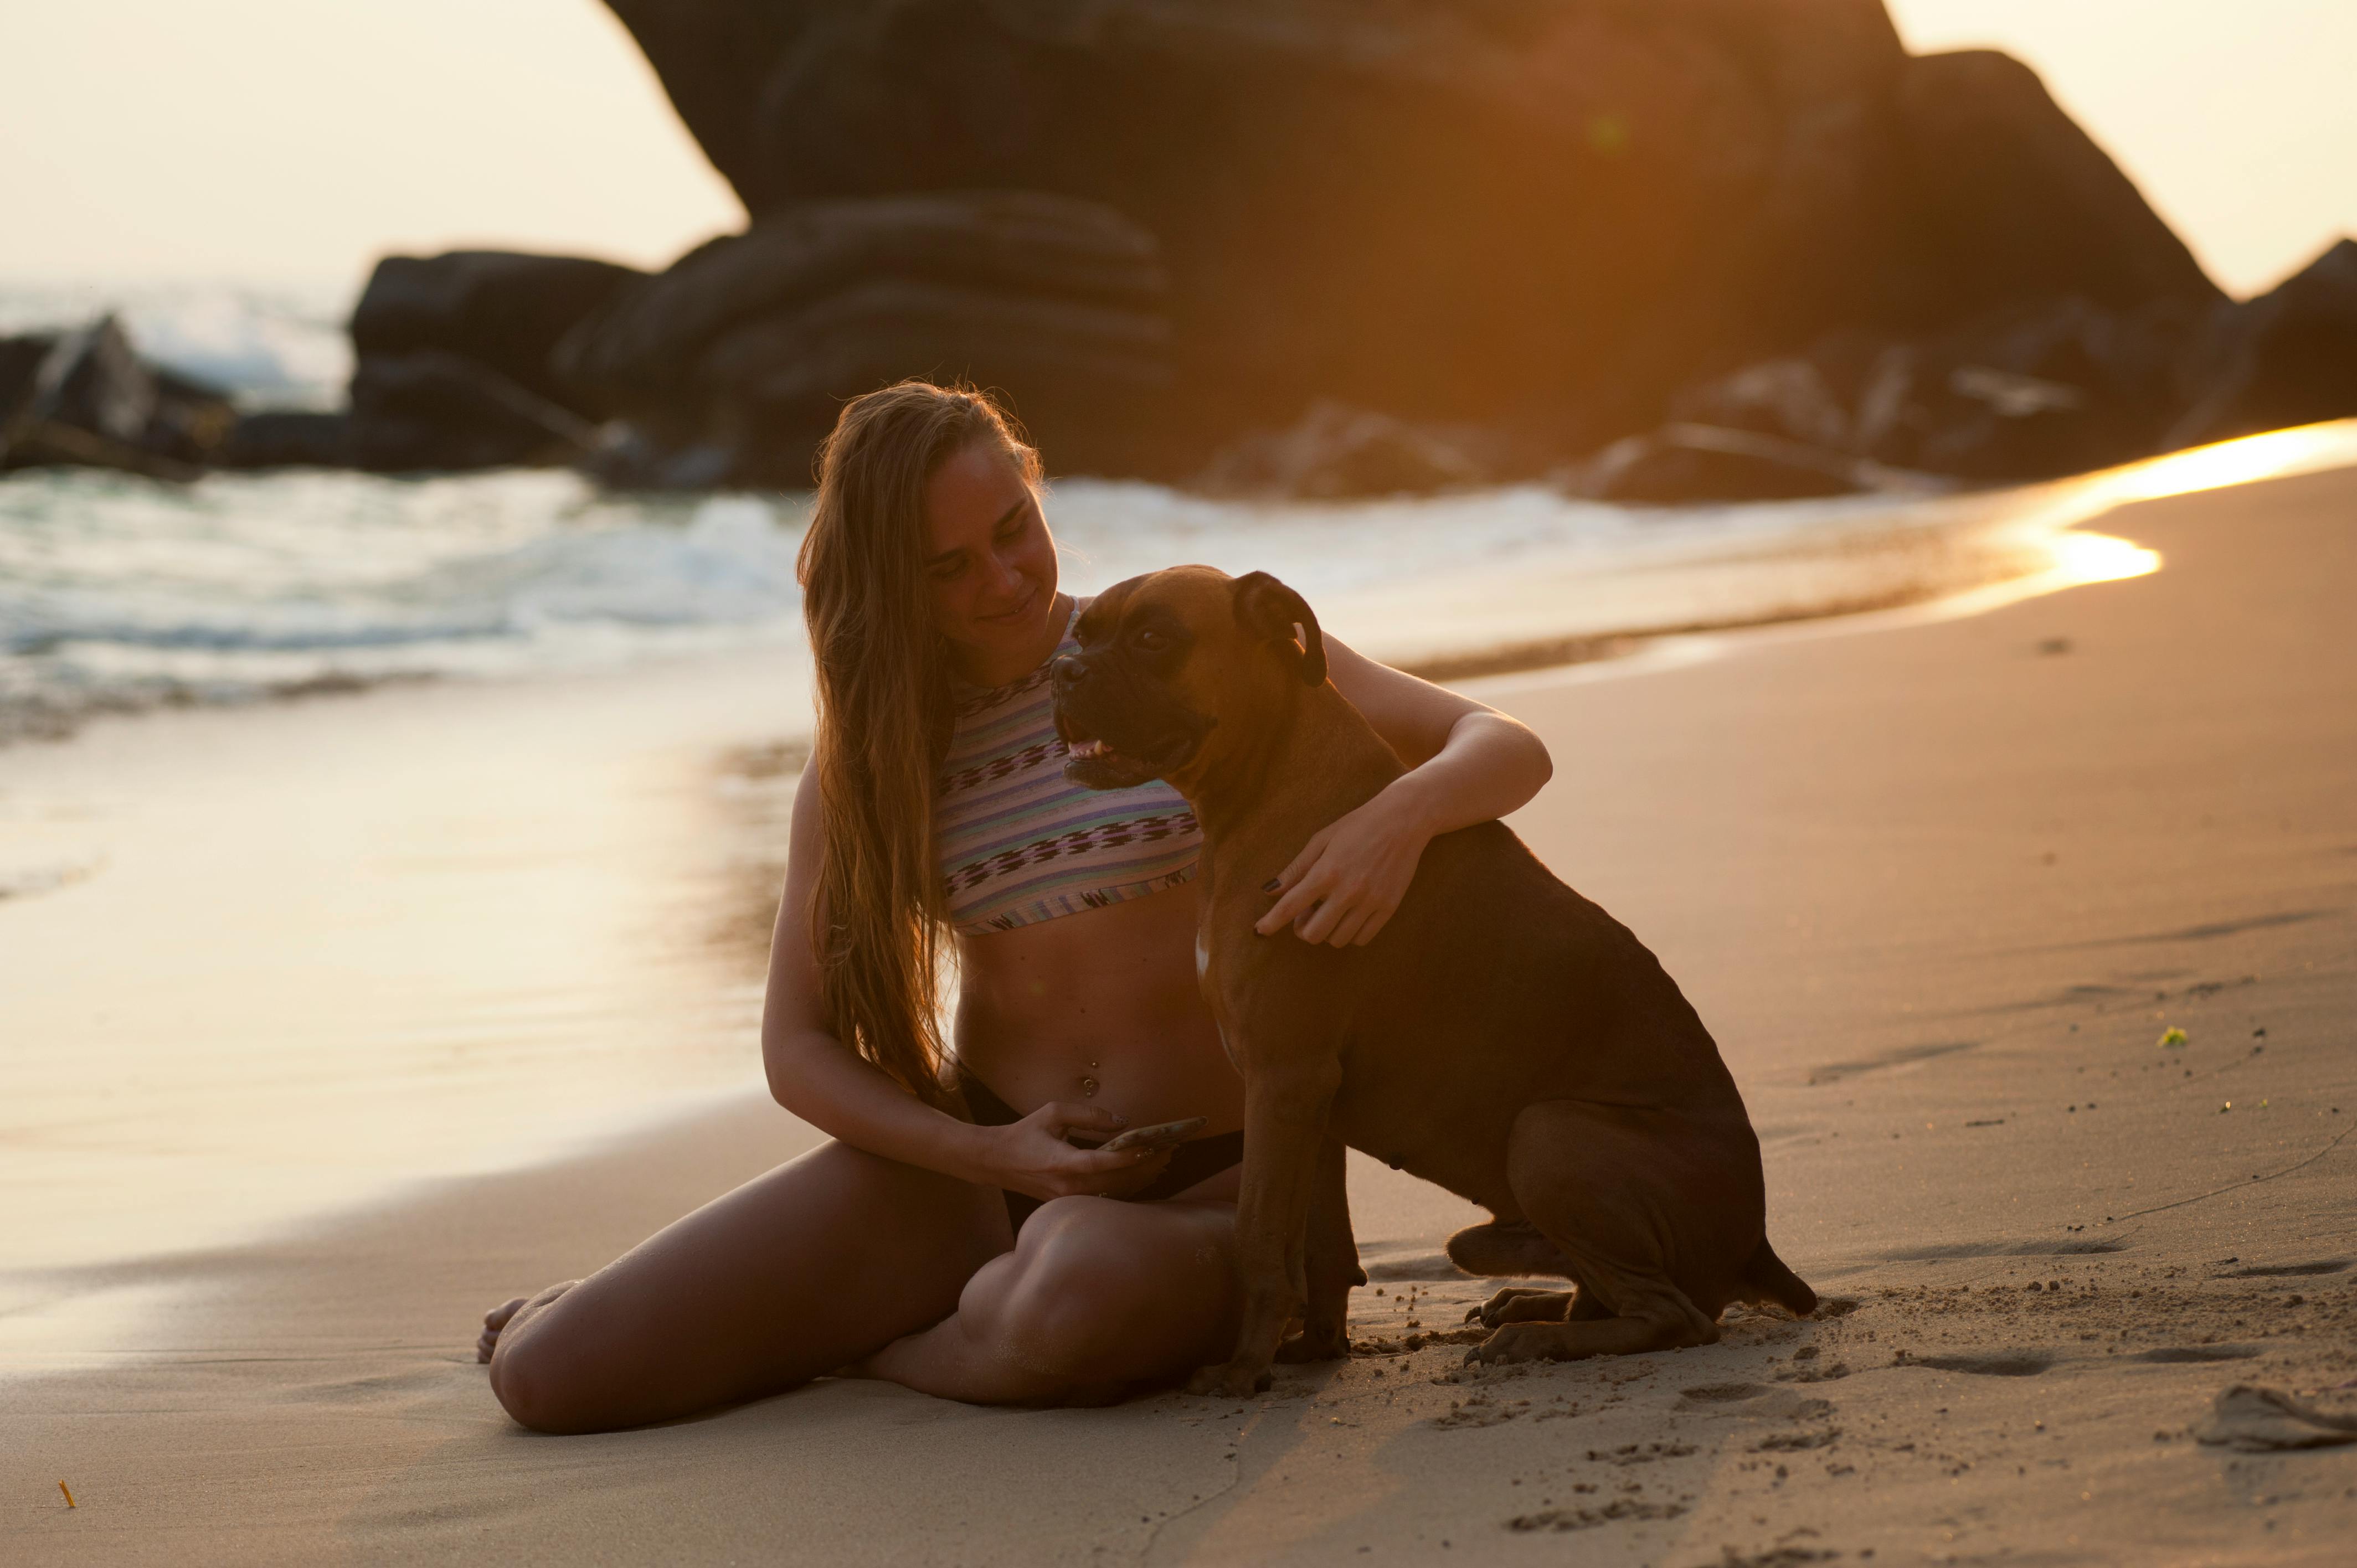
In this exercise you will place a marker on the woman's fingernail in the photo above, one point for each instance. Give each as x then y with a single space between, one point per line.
1271 885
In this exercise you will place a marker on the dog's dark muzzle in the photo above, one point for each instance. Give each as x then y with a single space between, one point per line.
1119 737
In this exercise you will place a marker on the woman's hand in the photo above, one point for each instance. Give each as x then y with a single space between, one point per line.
1031 1157
1350 876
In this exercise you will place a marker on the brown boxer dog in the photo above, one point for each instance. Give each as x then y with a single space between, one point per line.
1503 1036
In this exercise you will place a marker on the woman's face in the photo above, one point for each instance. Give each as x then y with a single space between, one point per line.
990 562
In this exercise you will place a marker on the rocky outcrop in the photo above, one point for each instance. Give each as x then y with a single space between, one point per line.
2288 357
453 366
434 410
1655 249
85 397
1540 217
2026 392
502 309
738 356
1682 464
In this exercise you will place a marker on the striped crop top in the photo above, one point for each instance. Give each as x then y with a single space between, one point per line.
1018 842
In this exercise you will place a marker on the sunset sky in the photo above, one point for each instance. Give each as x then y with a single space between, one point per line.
294 141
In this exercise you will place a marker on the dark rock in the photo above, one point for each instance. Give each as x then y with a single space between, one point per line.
747 345
2287 358
503 309
2031 391
21 368
2022 203
85 398
434 410
1337 453
288 439
1539 216
1691 463
628 460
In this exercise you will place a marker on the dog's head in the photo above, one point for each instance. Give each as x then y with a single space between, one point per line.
1176 666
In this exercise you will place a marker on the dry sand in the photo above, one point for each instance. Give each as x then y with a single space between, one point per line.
1939 888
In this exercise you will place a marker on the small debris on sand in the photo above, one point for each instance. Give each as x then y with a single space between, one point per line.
2256 1420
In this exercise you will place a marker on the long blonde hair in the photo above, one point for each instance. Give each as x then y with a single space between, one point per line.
878 906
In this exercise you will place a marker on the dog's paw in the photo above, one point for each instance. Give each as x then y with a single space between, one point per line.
1518 1342
1520 1303
1315 1346
1234 1381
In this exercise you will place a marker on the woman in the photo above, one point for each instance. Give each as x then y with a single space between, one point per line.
953 1238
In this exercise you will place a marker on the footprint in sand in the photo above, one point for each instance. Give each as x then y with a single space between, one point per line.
2001 1364
1755 1402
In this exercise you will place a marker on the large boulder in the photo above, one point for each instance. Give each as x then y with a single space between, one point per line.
289 438
503 309
436 411
1543 216
2288 357
2017 204
745 347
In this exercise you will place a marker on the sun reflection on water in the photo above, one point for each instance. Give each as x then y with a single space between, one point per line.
2042 523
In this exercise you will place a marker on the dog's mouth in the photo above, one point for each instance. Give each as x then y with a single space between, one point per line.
1097 764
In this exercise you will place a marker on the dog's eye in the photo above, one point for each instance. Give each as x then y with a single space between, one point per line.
1149 640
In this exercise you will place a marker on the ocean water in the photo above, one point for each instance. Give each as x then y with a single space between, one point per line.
119 594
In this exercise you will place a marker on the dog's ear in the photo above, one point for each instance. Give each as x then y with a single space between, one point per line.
1270 609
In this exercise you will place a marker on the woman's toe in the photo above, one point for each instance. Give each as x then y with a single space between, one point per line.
493 1322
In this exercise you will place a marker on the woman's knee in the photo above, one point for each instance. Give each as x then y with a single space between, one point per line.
1065 1303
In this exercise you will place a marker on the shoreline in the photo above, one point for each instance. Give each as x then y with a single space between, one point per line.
1536 580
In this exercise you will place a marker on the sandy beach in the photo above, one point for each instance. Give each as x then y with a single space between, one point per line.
1941 887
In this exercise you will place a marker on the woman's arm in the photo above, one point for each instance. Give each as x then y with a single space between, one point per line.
1467 764
819 1079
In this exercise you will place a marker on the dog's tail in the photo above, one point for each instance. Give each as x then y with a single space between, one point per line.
1765 1273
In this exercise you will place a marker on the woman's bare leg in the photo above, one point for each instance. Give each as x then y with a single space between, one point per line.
792 1276
1097 1296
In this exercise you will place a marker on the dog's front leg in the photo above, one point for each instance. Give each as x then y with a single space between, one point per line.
1285 1136
1333 1255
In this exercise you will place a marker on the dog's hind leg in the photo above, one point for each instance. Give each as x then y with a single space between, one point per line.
1644 1207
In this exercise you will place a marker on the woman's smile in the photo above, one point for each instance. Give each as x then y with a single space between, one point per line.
1023 608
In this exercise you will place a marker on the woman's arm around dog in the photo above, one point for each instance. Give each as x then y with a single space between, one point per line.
1466 763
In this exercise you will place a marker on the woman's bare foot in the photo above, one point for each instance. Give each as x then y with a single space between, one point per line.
505 1312
493 1321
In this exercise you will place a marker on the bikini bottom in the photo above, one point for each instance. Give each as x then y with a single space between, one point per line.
1197 1160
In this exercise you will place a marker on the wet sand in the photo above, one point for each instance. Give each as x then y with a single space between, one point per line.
1938 886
